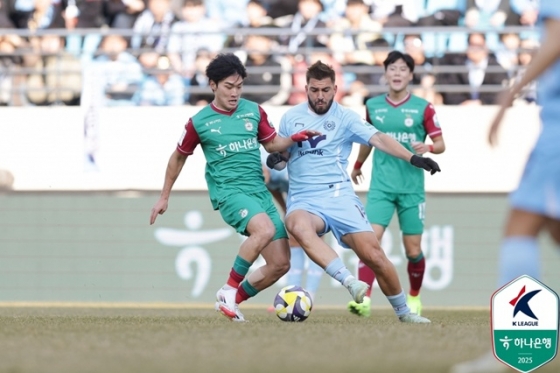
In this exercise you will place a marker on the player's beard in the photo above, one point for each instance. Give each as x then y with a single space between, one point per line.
317 110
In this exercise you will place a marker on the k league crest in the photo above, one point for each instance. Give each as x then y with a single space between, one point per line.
525 324
329 125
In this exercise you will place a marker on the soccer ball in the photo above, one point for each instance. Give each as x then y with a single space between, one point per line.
293 303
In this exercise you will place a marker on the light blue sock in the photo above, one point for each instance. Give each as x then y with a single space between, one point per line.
337 270
519 255
399 303
314 274
297 261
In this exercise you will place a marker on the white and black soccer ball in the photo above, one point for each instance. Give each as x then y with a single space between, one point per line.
293 303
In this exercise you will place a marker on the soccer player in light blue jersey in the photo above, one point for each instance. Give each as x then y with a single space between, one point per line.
535 204
321 197
300 264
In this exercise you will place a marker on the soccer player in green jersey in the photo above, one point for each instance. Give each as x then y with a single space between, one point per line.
396 184
229 131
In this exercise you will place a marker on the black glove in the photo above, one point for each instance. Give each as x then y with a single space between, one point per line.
276 161
427 164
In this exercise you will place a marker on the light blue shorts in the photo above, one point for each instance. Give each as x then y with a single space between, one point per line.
539 188
341 210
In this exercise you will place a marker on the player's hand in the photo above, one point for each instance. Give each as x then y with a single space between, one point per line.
304 135
357 176
426 163
159 208
420 147
276 161
505 100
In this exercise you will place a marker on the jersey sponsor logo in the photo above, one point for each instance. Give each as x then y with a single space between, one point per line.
402 137
239 116
238 146
413 111
217 130
329 125
212 122
380 111
380 119
313 141
301 153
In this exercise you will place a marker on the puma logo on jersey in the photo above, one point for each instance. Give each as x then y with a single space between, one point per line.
216 130
381 119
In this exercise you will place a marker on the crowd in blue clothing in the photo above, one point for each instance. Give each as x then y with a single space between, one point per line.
159 48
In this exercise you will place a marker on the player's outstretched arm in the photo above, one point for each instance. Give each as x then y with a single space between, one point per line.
391 146
548 53
280 144
174 167
357 176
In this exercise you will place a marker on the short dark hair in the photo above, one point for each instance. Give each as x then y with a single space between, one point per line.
394 56
320 71
224 65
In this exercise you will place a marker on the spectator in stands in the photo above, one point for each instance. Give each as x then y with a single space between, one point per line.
523 12
10 62
199 80
414 46
257 16
194 31
396 13
376 76
121 14
351 34
273 71
227 13
44 14
300 24
56 78
153 26
84 14
161 86
529 93
122 73
508 51
281 8
442 13
482 14
476 61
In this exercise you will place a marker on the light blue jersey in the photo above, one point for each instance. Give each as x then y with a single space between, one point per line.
322 160
319 182
539 188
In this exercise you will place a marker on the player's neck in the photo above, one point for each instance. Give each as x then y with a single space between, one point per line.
397 97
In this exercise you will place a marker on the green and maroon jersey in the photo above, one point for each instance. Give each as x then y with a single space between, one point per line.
230 141
408 121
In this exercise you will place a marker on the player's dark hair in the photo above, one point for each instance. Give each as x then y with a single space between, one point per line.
224 65
394 56
320 71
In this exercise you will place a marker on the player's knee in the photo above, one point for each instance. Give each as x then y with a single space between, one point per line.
281 266
262 230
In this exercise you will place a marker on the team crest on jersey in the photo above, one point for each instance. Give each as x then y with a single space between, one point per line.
329 125
436 121
248 125
243 213
408 121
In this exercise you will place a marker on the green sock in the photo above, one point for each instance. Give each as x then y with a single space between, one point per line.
417 259
249 289
241 266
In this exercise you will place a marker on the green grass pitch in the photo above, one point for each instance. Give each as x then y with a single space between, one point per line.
199 340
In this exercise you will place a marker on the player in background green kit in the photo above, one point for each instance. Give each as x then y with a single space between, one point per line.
229 131
396 184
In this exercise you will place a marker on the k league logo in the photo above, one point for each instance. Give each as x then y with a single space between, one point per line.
525 324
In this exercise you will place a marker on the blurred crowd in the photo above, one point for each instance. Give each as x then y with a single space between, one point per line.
154 52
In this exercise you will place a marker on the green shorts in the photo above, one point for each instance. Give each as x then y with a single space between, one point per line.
238 209
410 207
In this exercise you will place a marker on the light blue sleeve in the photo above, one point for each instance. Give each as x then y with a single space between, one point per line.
549 9
357 129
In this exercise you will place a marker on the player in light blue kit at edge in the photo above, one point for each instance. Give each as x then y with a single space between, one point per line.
535 204
321 197
277 183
